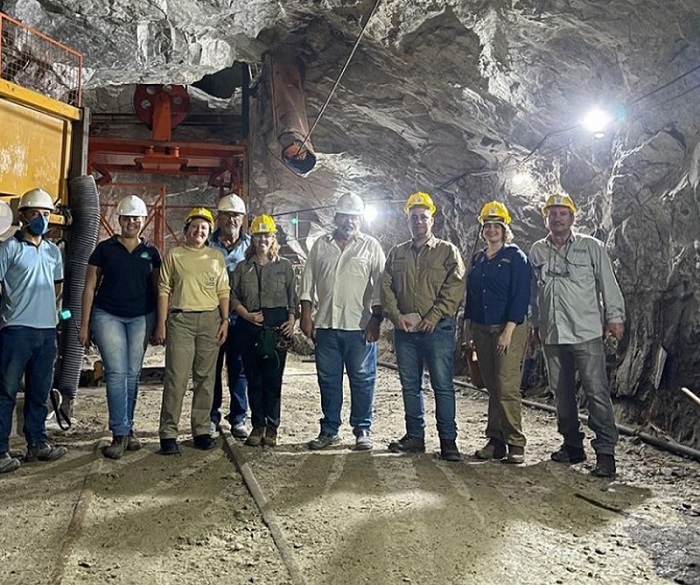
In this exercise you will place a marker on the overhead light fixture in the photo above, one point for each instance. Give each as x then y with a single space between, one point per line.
596 121
520 179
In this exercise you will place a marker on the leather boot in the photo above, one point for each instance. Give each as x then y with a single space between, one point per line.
117 448
605 465
449 451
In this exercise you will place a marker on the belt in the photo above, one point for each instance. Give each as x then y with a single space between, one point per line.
178 311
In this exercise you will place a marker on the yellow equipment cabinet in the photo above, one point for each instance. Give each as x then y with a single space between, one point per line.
36 127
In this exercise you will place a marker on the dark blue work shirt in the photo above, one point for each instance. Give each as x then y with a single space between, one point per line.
498 290
127 286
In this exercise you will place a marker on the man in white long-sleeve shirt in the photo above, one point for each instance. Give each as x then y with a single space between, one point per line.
576 301
343 274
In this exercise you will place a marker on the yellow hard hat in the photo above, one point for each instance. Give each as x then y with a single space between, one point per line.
420 199
201 212
494 211
559 200
263 224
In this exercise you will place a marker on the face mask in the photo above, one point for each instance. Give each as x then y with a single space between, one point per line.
38 226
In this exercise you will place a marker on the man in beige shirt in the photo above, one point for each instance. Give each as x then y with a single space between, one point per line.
343 274
576 302
422 287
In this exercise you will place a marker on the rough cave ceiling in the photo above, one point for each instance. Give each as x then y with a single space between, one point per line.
453 97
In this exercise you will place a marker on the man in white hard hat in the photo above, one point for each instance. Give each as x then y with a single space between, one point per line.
342 274
232 241
576 302
31 272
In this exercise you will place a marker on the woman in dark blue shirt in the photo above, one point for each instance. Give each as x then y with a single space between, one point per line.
498 295
119 300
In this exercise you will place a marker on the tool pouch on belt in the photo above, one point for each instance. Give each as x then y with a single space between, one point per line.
265 345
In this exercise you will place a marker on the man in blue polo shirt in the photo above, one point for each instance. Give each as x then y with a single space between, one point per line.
232 242
31 272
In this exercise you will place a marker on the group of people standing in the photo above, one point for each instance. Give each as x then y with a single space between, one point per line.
207 301
223 297
565 287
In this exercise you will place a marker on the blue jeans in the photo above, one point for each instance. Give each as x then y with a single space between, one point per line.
238 408
436 350
336 348
122 343
28 352
589 359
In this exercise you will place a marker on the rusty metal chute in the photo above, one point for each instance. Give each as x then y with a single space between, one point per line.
289 110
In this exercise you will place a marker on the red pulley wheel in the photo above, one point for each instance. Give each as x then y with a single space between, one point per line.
145 98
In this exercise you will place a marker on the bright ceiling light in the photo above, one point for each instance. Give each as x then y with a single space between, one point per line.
596 121
520 179
370 213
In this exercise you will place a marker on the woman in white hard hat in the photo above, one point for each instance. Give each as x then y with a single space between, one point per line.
192 319
264 296
498 296
119 303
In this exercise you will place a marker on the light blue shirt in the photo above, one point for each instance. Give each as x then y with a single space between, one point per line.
28 274
236 254
233 257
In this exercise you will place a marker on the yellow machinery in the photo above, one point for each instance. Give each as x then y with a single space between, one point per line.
42 136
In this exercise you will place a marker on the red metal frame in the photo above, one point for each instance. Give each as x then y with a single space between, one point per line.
223 164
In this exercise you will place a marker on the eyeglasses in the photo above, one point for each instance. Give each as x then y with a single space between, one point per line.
553 265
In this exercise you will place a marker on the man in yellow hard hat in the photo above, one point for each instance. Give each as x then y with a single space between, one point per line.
343 274
574 293
232 242
31 271
422 287
192 319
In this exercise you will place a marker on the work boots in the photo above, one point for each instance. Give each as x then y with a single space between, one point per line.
408 444
120 443
569 454
494 449
449 451
605 465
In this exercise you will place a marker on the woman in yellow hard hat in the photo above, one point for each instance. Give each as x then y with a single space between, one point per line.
498 295
264 296
193 316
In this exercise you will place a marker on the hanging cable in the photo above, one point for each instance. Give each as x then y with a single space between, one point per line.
340 76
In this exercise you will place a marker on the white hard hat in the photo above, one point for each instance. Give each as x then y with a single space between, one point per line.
350 204
231 203
37 198
132 206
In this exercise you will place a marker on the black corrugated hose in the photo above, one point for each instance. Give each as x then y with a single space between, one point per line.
84 204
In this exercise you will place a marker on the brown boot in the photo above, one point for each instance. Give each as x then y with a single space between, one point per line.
270 439
256 437
117 448
494 449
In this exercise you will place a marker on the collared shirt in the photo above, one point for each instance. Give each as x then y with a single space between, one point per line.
126 288
194 278
574 290
345 282
264 286
232 255
498 288
29 274
428 280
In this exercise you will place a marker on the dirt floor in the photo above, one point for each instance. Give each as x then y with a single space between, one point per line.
340 516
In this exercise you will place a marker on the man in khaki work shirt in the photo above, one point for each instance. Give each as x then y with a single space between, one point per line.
422 287
574 293
343 272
